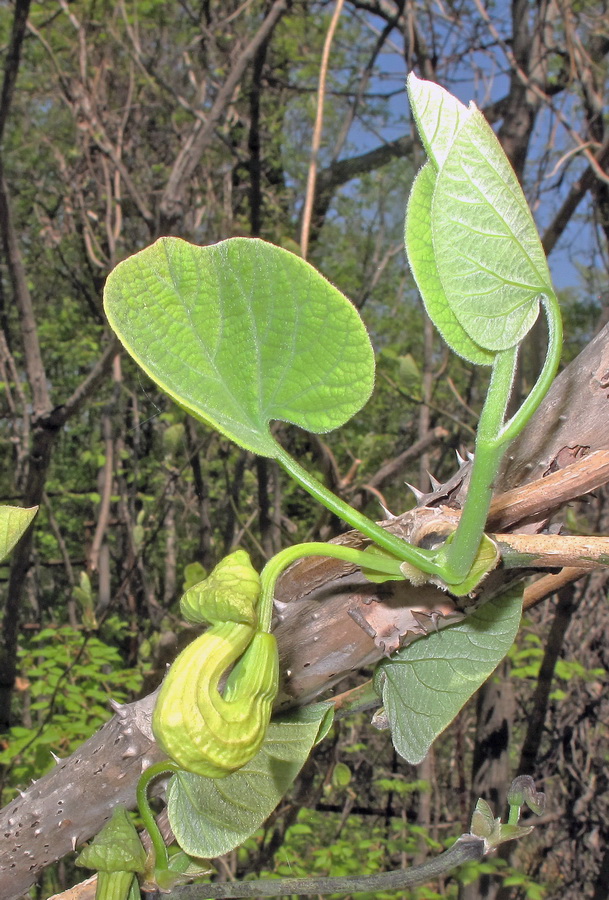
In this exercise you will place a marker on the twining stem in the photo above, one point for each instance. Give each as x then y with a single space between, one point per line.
460 552
467 848
285 558
165 767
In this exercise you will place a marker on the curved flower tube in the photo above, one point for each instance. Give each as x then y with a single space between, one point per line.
205 729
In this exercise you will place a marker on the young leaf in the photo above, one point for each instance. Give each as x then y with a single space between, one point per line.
421 256
438 116
425 685
209 817
13 524
116 848
487 250
242 333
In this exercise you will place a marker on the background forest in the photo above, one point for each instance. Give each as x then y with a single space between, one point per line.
122 121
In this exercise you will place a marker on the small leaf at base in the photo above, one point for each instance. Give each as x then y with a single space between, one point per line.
486 560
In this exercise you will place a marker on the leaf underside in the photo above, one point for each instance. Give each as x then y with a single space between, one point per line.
488 253
211 816
425 685
471 240
438 117
421 257
242 333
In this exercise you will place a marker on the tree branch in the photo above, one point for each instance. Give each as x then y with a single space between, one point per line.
343 170
576 194
551 551
90 383
467 848
23 300
12 60
172 201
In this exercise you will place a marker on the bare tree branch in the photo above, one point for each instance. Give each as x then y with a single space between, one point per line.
12 59
317 128
171 206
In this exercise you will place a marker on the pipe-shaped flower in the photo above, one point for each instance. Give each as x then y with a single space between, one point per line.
207 730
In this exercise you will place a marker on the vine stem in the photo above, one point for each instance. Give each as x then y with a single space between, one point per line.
460 551
316 142
165 767
466 848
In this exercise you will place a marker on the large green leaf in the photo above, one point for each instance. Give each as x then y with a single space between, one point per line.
487 250
210 816
425 685
14 522
438 116
241 333
421 256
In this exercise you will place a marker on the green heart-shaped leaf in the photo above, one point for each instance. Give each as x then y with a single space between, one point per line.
242 333
210 816
487 250
425 685
420 250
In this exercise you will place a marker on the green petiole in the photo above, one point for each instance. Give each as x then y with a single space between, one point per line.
458 554
520 418
453 561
